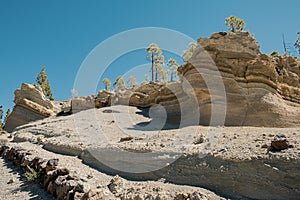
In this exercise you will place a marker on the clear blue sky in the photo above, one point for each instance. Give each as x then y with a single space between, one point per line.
60 33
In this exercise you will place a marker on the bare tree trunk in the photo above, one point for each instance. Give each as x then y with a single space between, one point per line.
152 67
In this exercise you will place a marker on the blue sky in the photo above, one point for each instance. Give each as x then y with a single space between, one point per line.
60 34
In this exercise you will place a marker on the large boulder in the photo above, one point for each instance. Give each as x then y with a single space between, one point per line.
103 98
30 105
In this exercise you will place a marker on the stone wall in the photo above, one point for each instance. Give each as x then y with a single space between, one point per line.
56 181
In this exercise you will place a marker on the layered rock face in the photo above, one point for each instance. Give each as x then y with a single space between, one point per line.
260 90
229 82
30 105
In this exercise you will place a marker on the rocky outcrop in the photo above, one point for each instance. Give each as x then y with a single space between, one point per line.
103 98
82 103
260 90
227 75
30 105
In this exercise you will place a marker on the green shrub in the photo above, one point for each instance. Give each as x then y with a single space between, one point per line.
32 175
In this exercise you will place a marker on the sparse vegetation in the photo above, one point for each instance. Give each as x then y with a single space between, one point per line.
107 83
172 64
235 24
187 54
297 43
74 92
156 58
42 80
275 54
132 81
1 116
119 83
32 175
6 116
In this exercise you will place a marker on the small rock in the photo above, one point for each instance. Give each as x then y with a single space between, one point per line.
82 187
199 139
84 180
51 165
264 146
279 143
271 135
116 185
52 162
78 196
124 139
93 195
10 181
163 180
90 176
182 196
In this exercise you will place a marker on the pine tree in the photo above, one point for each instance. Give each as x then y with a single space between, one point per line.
42 80
154 55
119 83
107 83
235 24
297 43
159 62
172 64
186 55
1 115
132 81
6 116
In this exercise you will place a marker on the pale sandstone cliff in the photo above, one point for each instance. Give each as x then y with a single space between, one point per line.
260 90
30 105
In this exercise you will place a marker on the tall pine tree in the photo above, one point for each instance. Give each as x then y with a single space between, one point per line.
1 115
6 116
42 80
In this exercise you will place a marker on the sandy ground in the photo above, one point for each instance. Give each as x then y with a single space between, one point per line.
143 142
90 178
106 127
19 189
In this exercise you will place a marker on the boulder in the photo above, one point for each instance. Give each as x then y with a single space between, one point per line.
30 105
82 103
95 194
103 98
279 143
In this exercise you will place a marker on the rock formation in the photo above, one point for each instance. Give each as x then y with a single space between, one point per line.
30 105
226 82
103 98
82 103
257 89
260 90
